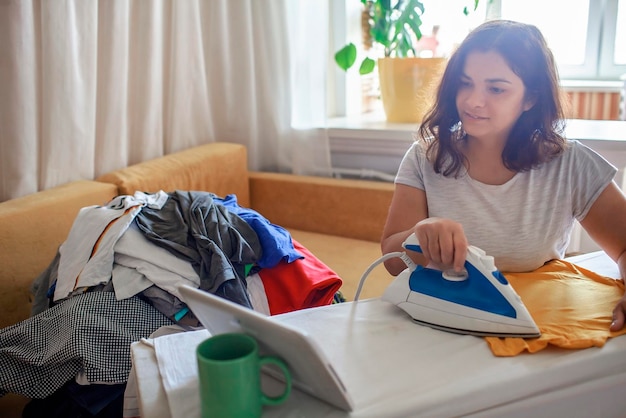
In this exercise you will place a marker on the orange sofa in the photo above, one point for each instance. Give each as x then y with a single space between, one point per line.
338 220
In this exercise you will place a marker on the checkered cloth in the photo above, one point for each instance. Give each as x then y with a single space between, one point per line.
89 333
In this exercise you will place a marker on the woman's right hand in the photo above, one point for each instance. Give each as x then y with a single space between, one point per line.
443 242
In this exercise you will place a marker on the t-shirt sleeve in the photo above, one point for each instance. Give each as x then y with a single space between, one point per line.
411 166
592 174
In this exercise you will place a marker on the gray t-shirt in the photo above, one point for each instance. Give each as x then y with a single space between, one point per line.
525 222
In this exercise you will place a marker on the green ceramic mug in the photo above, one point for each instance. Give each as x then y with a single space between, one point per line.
229 373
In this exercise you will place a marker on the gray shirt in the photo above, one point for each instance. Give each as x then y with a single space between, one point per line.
524 222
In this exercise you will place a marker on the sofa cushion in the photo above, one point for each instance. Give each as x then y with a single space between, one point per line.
31 229
217 167
349 258
348 208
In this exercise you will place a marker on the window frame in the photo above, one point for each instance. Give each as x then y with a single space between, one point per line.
606 66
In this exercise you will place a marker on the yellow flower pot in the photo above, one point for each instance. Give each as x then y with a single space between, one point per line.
408 86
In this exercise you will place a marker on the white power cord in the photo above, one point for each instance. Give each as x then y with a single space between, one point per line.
407 260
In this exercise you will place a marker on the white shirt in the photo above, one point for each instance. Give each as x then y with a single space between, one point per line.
86 256
524 222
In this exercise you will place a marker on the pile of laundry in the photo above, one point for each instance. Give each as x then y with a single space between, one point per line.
115 280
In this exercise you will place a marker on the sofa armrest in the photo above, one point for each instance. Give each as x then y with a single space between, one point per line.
342 207
31 229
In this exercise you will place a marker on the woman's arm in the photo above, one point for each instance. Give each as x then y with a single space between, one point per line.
408 207
442 240
606 224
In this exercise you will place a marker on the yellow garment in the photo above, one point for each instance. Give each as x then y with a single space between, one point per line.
572 306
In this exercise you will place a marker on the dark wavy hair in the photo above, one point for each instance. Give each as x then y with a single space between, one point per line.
537 136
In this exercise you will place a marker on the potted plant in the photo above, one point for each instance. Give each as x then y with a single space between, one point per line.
406 80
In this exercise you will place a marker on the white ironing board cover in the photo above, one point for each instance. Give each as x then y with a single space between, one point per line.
393 367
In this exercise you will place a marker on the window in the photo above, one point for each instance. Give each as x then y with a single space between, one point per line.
587 37
451 24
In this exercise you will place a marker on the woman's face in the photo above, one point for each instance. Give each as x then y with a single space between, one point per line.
491 97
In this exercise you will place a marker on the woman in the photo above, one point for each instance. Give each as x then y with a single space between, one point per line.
490 167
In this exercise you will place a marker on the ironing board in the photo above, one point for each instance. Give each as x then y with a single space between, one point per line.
394 368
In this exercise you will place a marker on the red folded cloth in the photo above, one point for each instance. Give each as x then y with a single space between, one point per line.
304 283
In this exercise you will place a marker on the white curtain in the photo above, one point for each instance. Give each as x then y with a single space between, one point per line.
89 86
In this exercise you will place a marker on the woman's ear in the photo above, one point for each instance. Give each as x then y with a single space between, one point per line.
530 101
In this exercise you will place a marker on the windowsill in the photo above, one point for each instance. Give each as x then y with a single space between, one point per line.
370 126
592 85
373 126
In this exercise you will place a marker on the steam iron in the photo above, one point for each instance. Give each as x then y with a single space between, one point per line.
480 301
